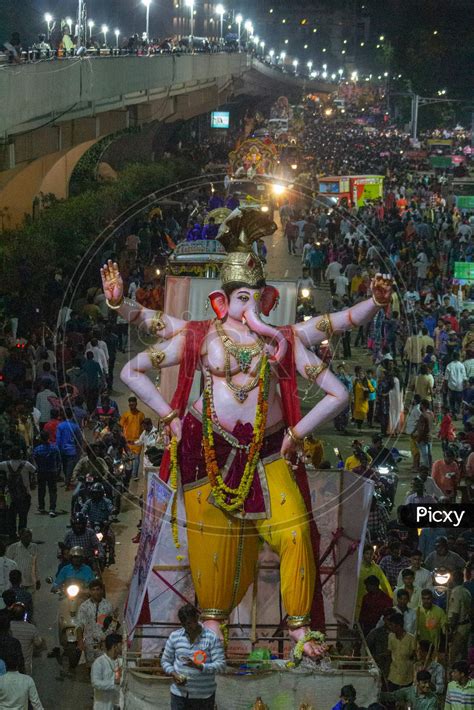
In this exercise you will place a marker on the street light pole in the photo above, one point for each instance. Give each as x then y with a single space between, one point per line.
48 18
239 19
80 35
147 4
104 30
220 11
90 24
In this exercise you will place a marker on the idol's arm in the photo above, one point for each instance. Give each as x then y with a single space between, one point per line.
315 330
164 354
148 321
336 399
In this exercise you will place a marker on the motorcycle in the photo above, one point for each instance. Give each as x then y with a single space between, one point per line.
387 484
81 492
305 305
71 597
106 538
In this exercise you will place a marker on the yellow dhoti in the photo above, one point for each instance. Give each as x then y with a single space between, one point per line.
223 549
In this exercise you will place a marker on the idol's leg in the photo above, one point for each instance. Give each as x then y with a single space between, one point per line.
223 551
288 533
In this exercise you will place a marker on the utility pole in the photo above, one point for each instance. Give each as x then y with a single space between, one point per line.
415 102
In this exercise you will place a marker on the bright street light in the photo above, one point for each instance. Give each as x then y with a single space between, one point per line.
381 38
239 19
190 4
309 65
69 24
220 11
147 4
104 29
271 53
48 18
117 34
90 24
295 64
324 75
325 66
340 72
283 56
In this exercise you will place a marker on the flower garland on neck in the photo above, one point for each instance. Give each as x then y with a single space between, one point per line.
233 499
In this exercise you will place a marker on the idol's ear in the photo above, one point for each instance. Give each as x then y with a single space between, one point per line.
269 297
219 303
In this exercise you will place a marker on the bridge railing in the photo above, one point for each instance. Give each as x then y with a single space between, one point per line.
36 93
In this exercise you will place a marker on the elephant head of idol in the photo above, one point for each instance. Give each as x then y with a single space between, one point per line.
245 295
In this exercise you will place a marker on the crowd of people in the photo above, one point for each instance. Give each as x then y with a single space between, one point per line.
60 423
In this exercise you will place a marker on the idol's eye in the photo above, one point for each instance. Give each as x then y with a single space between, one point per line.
243 298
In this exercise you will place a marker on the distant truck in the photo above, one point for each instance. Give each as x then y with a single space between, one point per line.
350 190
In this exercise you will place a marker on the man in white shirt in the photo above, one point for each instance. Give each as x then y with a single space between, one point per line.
17 689
411 298
421 264
6 566
423 577
469 367
146 440
99 355
333 269
342 282
409 615
456 379
25 554
106 673
43 404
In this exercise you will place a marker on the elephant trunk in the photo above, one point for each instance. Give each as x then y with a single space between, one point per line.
255 324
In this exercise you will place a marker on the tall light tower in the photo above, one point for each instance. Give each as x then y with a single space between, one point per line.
220 11
104 29
48 18
147 4
90 24
190 4
239 19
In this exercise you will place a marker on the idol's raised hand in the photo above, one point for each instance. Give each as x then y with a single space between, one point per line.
112 282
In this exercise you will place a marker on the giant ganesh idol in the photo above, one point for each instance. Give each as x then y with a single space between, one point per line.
237 444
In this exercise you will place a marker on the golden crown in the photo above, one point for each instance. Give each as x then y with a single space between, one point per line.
238 232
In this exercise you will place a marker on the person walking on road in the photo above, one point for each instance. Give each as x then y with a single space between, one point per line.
48 464
106 674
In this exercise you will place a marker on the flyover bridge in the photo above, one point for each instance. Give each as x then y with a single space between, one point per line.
53 111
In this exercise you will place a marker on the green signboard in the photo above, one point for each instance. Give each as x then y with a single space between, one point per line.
465 202
440 161
464 271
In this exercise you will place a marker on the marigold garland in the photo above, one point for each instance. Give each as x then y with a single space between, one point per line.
222 492
174 486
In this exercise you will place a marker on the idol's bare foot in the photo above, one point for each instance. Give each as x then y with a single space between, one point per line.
312 649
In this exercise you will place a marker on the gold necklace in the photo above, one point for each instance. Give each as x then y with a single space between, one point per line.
242 353
240 392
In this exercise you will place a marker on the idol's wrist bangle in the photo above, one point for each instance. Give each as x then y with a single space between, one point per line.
114 306
294 437
169 417
378 304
